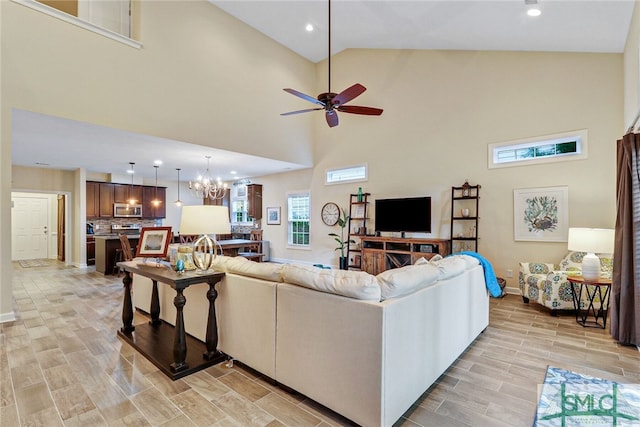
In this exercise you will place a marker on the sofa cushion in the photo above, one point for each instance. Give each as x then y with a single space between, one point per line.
244 267
352 284
405 280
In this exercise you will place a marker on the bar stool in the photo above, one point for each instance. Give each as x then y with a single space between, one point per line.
123 254
254 254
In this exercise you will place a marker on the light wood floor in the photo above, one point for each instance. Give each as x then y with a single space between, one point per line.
61 363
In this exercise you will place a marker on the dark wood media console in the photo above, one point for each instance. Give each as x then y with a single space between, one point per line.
383 253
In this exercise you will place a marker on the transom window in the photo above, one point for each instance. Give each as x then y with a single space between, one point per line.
298 214
347 174
550 148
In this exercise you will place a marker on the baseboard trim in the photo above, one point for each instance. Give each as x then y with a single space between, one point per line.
7 317
510 290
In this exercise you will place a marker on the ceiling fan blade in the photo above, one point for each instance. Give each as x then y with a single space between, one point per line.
348 94
303 96
355 109
332 118
300 111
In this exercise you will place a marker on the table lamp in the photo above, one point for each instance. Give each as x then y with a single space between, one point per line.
592 241
204 220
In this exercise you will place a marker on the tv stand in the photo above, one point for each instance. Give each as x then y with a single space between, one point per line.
384 253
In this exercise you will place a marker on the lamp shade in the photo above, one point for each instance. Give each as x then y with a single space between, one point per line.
591 240
205 219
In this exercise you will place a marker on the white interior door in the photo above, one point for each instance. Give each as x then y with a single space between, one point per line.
29 227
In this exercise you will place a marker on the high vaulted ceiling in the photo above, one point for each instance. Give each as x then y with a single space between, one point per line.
565 25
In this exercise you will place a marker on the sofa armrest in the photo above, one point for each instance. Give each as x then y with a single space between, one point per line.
536 267
531 279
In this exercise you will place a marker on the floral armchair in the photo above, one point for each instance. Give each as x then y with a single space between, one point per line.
547 284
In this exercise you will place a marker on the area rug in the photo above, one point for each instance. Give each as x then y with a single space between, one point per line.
28 263
571 399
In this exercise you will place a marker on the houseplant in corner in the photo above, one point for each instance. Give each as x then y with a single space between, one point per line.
343 221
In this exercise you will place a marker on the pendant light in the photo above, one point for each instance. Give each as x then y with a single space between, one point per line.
178 202
156 202
132 201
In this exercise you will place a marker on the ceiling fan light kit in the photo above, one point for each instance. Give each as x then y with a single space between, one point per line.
333 102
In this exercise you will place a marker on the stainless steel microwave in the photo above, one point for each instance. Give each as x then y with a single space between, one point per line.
125 210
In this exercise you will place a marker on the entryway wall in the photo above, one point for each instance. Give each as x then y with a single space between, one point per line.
45 201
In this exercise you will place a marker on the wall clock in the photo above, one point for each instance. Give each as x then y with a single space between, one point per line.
330 213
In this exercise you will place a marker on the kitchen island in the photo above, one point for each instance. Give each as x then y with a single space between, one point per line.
106 250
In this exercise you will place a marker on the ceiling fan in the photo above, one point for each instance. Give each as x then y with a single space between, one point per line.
333 102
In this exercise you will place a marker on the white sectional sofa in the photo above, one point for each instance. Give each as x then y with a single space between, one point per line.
365 346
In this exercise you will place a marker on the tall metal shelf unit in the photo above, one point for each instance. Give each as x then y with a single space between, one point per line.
358 217
465 203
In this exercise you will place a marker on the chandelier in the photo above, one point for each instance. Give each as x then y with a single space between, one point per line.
206 187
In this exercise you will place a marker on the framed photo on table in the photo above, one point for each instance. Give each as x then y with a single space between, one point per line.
154 242
541 214
273 216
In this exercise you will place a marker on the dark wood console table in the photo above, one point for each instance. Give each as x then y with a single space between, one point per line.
165 345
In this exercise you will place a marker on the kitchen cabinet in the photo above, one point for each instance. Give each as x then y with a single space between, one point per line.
224 201
106 200
102 195
254 201
93 199
148 196
123 192
91 250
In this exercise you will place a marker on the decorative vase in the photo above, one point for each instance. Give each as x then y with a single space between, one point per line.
344 265
360 195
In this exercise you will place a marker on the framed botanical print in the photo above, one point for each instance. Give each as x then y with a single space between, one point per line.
541 214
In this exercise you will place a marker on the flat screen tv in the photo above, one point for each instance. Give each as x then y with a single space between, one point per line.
407 214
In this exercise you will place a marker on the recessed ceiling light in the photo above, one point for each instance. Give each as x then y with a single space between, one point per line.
534 11
309 27
532 8
233 173
157 162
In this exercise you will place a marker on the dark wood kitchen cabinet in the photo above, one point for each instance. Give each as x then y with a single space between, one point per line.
123 192
254 201
106 200
91 250
148 196
93 199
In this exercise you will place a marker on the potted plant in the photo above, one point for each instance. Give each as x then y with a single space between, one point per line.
343 221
